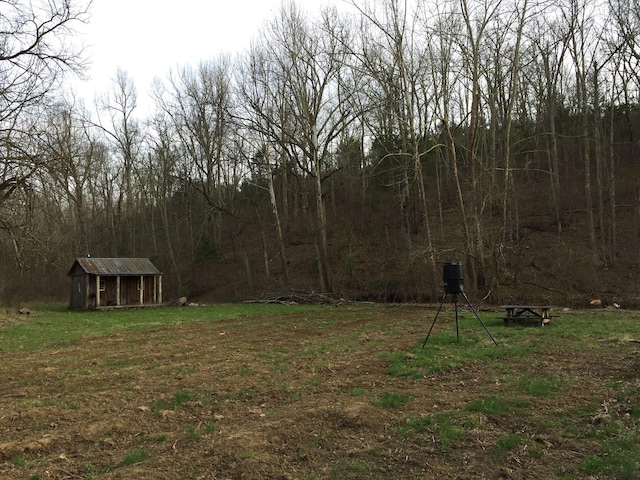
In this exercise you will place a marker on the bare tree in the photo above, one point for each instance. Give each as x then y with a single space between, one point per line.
35 51
308 59
625 19
445 71
161 175
199 104
123 131
392 56
581 45
67 146
264 115
549 43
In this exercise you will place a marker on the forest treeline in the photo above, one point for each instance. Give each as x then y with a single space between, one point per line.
347 151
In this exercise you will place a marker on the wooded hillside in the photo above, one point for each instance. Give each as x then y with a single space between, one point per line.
347 152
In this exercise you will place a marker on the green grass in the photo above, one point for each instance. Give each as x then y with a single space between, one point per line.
209 428
448 431
619 440
173 403
348 468
135 456
445 352
242 395
19 461
541 387
358 392
508 443
630 395
53 326
192 432
415 425
443 428
619 460
391 400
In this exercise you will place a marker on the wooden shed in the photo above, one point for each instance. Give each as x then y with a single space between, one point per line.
114 282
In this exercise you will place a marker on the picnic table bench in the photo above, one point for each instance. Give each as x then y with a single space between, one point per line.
527 313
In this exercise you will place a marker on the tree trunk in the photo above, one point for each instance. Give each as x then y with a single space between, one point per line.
322 228
276 215
611 170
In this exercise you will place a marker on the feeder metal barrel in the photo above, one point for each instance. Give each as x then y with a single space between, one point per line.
452 277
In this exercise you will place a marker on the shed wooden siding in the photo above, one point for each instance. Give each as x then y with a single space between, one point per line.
114 282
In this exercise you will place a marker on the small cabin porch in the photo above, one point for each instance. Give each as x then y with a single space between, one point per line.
103 283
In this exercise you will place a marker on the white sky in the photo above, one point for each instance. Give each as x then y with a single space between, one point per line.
147 38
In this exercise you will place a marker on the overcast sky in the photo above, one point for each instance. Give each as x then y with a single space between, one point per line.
146 38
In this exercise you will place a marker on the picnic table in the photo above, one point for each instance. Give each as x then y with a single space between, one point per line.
527 313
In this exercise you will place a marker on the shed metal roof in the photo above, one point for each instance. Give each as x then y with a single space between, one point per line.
116 266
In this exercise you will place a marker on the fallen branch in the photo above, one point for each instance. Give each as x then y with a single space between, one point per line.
298 298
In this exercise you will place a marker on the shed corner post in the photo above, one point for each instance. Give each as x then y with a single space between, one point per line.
155 289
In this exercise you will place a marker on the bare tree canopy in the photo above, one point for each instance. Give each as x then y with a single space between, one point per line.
36 48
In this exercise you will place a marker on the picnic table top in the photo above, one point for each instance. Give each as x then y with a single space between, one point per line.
526 306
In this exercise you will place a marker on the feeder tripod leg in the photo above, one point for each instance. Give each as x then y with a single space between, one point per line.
478 317
434 320
455 303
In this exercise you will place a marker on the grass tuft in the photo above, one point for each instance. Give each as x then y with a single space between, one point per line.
135 456
539 387
176 401
391 400
415 425
508 442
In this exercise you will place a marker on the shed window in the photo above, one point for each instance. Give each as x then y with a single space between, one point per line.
102 284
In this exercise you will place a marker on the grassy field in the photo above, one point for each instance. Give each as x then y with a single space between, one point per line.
315 392
56 325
